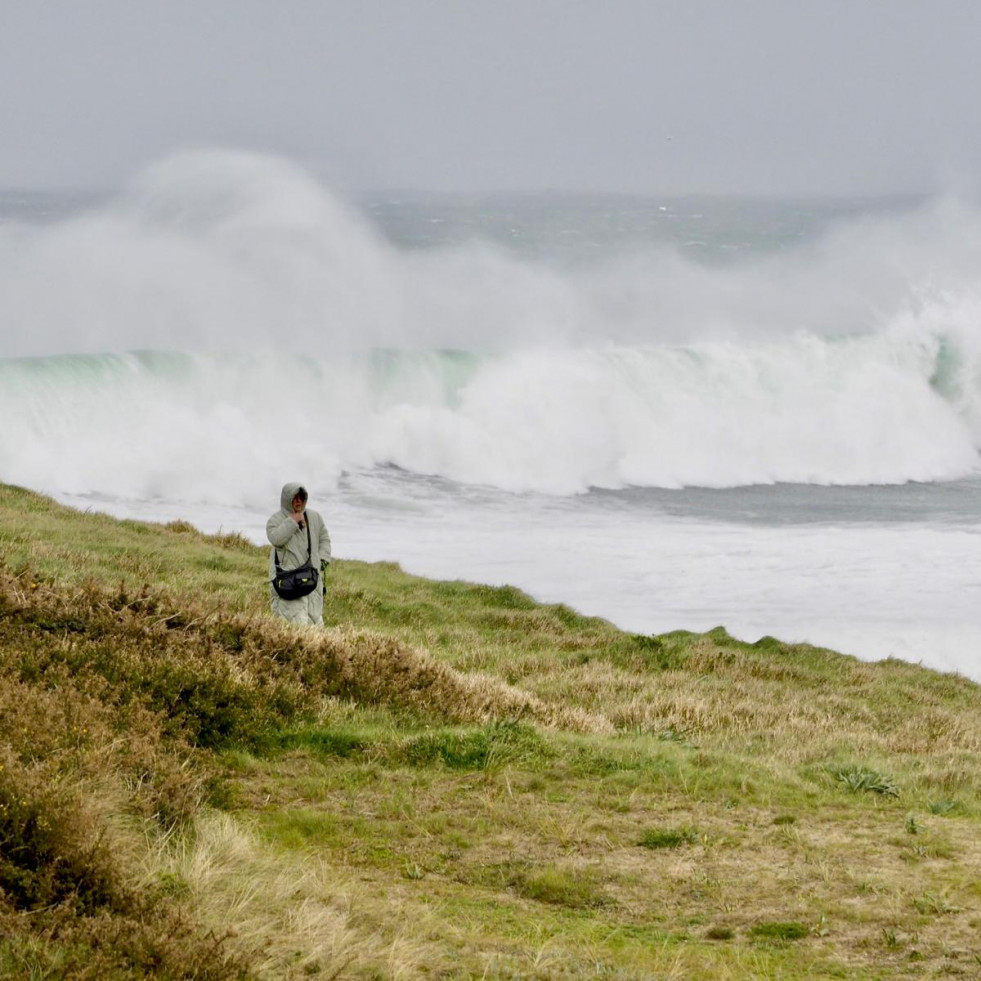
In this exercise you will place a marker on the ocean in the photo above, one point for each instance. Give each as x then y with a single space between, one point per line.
674 413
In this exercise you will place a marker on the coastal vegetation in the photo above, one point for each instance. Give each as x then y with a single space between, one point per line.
452 781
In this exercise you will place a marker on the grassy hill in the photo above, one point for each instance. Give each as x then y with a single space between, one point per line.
452 781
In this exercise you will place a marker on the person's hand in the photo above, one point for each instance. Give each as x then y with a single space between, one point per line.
297 516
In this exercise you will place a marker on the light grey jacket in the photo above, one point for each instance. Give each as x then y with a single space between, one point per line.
290 540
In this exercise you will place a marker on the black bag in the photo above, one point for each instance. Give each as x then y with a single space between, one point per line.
299 582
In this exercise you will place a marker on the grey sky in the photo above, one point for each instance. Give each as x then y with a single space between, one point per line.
751 96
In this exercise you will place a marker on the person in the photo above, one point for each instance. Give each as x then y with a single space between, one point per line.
287 533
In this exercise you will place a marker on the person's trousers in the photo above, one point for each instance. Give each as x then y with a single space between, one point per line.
306 611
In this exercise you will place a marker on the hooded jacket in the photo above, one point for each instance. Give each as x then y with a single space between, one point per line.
290 540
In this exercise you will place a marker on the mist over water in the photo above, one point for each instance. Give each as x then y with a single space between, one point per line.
604 402
852 358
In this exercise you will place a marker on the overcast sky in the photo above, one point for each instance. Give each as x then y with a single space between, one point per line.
757 96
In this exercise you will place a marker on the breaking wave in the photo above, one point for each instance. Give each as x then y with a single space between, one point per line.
227 321
881 409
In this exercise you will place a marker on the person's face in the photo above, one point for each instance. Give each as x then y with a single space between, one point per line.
298 504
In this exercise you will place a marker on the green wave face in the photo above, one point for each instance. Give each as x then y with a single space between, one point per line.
393 372
875 409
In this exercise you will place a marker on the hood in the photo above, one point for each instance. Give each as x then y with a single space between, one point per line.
289 492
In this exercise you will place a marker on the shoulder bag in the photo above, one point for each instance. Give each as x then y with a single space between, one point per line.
299 582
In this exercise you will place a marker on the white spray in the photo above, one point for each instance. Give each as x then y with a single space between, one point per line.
309 342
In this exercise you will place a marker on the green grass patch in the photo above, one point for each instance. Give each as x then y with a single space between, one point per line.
655 838
339 742
302 828
495 745
550 884
779 932
562 887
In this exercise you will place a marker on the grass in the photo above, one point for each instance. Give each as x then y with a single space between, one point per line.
451 781
668 837
779 932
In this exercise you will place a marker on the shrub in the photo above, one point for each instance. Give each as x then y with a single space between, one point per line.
50 851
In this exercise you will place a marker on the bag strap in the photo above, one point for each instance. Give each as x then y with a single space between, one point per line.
309 549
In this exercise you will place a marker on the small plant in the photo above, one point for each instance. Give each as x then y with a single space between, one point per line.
931 904
859 778
943 807
784 819
668 837
912 828
718 933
